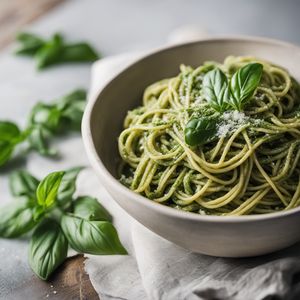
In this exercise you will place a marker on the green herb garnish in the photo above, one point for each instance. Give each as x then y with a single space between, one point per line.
45 121
215 89
200 130
222 94
55 50
81 223
243 84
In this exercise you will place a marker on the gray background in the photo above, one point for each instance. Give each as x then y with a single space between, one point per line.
120 25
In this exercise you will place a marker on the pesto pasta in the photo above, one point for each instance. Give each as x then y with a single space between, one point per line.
219 139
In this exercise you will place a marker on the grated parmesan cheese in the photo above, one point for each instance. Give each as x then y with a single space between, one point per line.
232 120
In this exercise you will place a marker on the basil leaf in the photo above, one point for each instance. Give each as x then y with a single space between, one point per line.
55 50
50 53
22 183
244 83
30 43
89 208
215 89
72 107
45 115
48 119
73 115
48 248
66 113
16 219
6 150
68 185
38 213
38 140
93 237
9 132
78 95
80 52
47 189
199 131
10 135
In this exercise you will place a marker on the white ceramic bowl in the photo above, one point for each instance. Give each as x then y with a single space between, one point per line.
213 235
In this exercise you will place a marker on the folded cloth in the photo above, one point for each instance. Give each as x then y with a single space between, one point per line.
157 269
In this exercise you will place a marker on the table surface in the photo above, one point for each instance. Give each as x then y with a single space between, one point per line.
70 281
140 24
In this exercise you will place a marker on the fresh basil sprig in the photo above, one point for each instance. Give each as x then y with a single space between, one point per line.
60 220
88 227
45 121
200 130
222 93
55 50
57 117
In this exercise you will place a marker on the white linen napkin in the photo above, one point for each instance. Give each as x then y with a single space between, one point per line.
157 269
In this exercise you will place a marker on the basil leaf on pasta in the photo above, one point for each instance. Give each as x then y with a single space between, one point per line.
200 130
244 83
215 89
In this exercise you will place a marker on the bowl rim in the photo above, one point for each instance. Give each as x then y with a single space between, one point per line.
98 165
